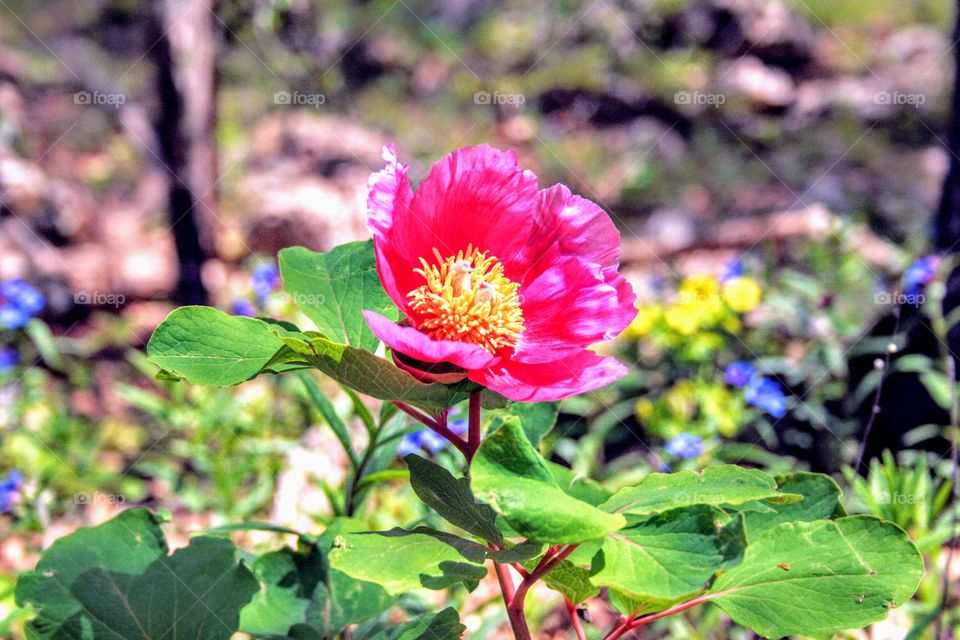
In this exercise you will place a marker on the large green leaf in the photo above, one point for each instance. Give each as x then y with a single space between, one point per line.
664 559
452 499
536 418
116 582
578 486
821 501
334 288
207 346
818 578
402 561
281 602
719 485
300 592
367 373
443 625
510 474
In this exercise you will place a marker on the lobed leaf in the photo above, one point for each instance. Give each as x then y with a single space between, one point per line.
718 485
510 474
818 578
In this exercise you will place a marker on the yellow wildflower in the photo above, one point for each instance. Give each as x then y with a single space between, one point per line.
742 294
646 318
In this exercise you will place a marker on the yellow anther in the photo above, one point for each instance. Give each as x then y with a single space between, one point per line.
467 298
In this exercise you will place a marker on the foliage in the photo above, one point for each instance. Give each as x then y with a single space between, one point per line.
743 540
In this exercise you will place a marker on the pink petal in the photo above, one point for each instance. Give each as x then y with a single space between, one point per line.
568 225
388 197
569 306
569 376
419 346
475 195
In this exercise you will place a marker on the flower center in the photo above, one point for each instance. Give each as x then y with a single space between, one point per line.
467 298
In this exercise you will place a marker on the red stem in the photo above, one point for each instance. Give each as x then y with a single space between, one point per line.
438 424
473 437
629 623
575 619
550 560
517 622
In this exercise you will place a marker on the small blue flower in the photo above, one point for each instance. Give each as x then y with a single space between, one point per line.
10 490
739 374
266 278
458 426
13 317
919 274
766 394
19 301
9 358
22 294
685 446
734 269
420 440
243 307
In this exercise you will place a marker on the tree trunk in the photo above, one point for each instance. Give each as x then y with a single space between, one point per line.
185 60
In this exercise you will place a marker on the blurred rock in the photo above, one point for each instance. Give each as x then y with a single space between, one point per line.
773 32
765 87
307 182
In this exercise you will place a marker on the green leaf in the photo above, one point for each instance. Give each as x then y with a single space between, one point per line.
368 373
343 601
580 487
301 596
452 499
115 581
526 550
443 625
279 604
333 289
664 559
536 418
207 346
818 578
509 473
402 561
569 579
719 485
821 501
129 543
939 387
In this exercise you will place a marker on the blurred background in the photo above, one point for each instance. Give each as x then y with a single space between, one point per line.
776 169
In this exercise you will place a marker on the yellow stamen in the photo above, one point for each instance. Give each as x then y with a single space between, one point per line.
467 298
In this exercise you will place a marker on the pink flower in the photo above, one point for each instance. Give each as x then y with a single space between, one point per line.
500 282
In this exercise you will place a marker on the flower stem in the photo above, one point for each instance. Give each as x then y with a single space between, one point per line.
553 557
575 619
438 424
517 622
473 441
